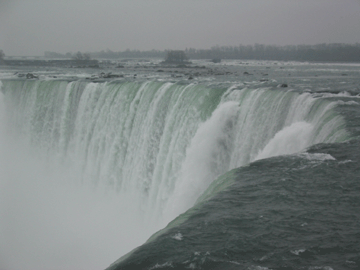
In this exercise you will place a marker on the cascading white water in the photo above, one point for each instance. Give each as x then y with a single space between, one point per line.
49 220
119 160
207 156
289 140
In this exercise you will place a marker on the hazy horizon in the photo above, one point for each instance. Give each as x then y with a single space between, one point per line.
31 28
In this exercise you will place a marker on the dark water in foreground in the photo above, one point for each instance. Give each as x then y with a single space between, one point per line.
294 212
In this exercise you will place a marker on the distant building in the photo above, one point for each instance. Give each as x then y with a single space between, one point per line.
176 57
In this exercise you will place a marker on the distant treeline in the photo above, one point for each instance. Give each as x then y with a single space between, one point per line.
129 54
334 52
75 56
108 54
322 52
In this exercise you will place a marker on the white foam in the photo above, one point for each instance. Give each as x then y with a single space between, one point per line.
345 161
289 140
316 156
164 265
341 94
340 102
298 252
7 75
177 236
204 158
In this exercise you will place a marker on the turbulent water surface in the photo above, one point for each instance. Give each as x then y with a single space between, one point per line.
225 171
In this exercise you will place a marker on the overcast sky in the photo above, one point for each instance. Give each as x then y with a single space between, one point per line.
32 27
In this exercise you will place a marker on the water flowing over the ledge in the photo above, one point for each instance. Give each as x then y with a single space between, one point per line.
151 148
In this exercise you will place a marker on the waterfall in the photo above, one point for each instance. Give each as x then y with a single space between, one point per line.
148 149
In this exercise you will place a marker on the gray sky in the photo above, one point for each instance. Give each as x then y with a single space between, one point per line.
32 27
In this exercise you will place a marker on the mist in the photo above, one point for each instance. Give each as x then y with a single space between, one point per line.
46 214
32 27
